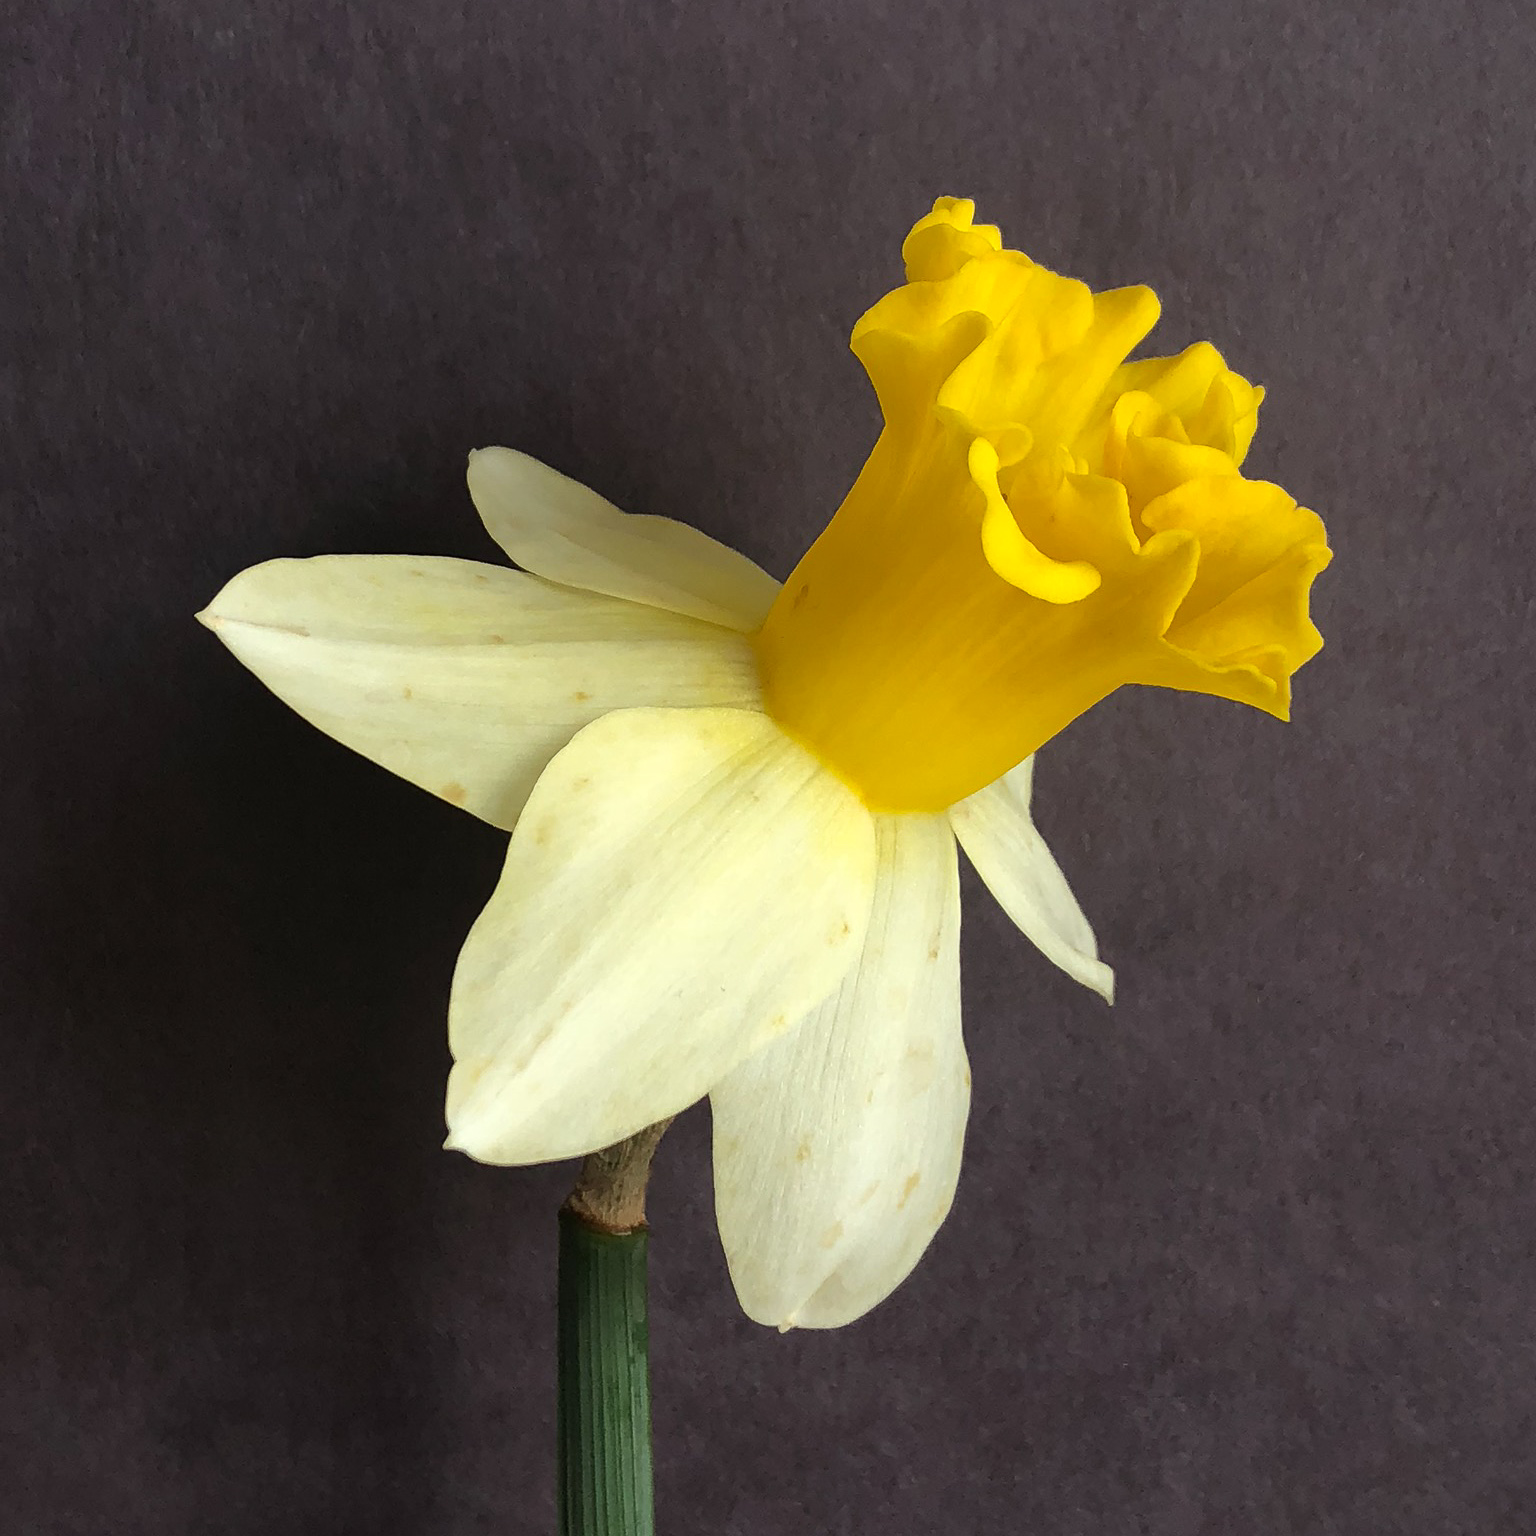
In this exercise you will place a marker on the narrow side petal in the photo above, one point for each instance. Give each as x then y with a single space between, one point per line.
557 528
682 886
1000 838
465 679
837 1148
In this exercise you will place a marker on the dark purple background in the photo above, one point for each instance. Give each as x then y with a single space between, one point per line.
1252 1253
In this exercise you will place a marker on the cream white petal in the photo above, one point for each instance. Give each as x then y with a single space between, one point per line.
557 528
682 886
838 1147
463 678
1000 838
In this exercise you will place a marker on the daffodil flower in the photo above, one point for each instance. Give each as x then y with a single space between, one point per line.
734 806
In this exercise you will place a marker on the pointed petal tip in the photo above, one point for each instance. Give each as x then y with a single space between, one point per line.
462 1140
485 459
458 1112
212 614
482 462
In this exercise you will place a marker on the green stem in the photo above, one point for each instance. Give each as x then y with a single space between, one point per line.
603 1391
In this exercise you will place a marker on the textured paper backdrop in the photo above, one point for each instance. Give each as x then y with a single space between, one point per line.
1252 1252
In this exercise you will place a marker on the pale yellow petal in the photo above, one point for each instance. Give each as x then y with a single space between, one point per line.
683 886
557 528
838 1147
463 678
1000 838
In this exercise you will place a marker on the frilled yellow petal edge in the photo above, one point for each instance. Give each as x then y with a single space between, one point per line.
1039 523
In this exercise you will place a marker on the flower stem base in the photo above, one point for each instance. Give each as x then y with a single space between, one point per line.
603 1394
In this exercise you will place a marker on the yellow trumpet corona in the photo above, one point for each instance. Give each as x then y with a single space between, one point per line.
1039 522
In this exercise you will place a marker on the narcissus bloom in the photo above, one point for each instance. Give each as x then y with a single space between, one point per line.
734 807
